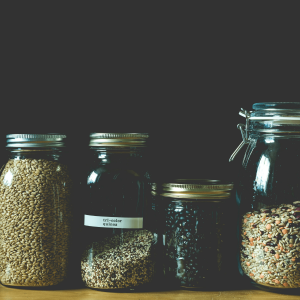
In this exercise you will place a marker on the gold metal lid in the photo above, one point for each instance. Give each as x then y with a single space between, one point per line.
118 139
194 189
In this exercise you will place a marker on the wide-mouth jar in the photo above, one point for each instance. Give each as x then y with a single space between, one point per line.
118 236
35 206
198 232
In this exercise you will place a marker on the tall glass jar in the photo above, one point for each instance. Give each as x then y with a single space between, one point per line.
35 212
118 230
198 233
268 194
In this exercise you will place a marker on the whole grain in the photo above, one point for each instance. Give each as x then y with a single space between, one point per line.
34 222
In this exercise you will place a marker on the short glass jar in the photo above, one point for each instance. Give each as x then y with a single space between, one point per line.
118 234
198 233
268 195
35 212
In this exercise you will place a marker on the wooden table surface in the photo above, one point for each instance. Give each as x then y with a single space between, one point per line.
88 294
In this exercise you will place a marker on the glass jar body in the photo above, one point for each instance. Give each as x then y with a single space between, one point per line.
35 219
268 194
198 241
119 237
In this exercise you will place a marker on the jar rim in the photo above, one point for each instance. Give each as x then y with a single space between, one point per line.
276 105
276 116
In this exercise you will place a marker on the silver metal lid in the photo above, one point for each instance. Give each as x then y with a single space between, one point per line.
118 139
35 140
194 189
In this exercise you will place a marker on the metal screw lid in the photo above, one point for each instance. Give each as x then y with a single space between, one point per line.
36 140
194 189
118 139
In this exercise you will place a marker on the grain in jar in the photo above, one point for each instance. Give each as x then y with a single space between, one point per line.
35 212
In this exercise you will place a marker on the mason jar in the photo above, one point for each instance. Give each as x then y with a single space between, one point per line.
198 233
118 236
268 195
35 211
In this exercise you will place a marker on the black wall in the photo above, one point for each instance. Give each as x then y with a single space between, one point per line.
189 139
178 71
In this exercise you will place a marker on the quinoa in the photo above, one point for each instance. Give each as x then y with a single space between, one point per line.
121 261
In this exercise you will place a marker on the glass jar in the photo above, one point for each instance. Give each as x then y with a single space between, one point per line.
268 195
35 214
118 230
198 233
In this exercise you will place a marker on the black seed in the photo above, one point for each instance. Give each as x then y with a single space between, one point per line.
270 244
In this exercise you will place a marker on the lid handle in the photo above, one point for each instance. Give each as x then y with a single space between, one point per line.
244 133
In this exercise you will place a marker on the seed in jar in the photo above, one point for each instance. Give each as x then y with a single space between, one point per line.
120 261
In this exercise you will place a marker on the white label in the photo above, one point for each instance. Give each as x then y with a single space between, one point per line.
112 222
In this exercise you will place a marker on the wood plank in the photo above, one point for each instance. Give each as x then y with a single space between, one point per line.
89 294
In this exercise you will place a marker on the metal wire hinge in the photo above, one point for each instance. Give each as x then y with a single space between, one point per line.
244 131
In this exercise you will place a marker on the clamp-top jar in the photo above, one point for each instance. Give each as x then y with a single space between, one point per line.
268 194
119 239
198 233
35 212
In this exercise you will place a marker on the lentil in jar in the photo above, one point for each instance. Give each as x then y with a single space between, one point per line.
270 245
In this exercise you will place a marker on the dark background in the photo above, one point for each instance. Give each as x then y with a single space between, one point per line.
180 71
